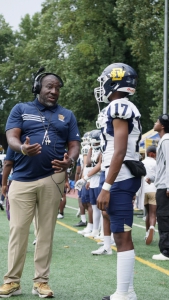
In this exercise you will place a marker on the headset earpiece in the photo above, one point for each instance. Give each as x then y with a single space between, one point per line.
38 79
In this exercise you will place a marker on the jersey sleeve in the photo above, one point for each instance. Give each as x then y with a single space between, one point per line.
15 118
74 134
120 109
10 154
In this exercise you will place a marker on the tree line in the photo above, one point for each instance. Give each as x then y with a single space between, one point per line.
77 39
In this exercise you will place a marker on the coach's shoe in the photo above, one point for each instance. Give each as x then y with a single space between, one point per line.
102 251
150 235
10 289
42 289
116 296
160 257
80 224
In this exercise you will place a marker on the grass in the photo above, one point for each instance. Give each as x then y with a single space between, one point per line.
77 275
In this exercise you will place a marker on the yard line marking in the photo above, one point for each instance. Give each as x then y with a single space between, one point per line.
141 226
145 262
153 266
71 207
67 226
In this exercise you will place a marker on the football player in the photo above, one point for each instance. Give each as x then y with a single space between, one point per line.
121 130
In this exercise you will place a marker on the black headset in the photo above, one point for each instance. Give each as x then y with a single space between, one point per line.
38 80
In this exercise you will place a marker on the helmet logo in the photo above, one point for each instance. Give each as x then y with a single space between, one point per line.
117 74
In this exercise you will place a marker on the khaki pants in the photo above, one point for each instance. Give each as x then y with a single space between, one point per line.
43 195
35 223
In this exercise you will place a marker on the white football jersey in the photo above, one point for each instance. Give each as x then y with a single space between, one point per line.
80 159
85 149
94 157
126 110
95 179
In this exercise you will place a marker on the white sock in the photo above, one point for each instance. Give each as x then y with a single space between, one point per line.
90 226
96 217
83 218
112 238
131 287
101 225
107 242
95 232
125 266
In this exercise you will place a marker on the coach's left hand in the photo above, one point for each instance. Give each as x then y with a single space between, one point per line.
63 165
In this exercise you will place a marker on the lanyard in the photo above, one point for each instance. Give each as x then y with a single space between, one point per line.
46 138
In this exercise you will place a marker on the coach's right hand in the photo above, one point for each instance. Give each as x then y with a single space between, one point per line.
30 150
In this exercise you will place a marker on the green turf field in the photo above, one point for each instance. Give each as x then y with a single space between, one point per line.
78 275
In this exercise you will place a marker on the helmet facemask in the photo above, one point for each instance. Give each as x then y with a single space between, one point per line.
99 91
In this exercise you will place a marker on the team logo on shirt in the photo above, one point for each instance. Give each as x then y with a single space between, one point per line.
61 118
117 74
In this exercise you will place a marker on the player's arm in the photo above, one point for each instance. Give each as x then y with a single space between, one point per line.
77 173
88 159
120 148
96 168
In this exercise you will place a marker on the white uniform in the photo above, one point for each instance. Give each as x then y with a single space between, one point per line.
126 110
95 179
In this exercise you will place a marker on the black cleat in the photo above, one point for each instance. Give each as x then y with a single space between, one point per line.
80 224
1 206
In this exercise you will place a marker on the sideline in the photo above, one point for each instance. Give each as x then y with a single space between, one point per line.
145 262
139 259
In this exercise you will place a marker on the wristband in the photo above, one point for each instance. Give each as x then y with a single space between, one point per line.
106 186
86 177
22 150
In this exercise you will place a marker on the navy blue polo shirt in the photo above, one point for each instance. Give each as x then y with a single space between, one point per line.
33 119
10 154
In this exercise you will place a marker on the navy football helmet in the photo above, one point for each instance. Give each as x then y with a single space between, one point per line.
95 138
85 139
115 77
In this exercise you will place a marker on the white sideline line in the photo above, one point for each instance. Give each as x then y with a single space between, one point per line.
72 207
140 226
